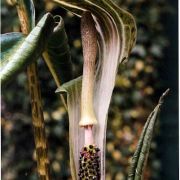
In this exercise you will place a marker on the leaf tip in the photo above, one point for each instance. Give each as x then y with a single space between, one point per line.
161 99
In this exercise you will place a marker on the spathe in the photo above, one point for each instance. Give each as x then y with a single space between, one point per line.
116 37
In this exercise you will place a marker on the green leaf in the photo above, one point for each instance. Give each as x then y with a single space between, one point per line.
140 156
9 43
57 54
116 37
25 51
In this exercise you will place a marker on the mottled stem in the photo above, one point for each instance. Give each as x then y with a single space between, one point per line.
36 103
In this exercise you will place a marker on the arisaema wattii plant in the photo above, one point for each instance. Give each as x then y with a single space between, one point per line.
108 36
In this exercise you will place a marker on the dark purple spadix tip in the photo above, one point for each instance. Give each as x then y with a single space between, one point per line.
89 163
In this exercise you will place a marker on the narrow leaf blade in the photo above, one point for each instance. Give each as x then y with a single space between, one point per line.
140 156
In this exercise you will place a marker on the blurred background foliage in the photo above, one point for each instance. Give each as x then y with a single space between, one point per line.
152 67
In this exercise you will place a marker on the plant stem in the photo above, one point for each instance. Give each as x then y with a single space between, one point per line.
57 81
36 105
88 135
